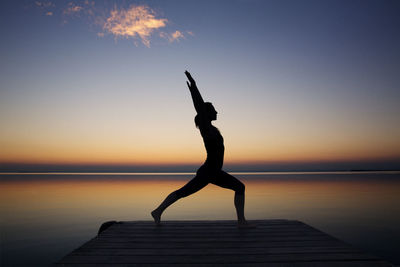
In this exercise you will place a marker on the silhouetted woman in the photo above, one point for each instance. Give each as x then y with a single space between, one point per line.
211 171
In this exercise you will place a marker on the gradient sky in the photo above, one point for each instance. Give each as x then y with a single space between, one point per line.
292 81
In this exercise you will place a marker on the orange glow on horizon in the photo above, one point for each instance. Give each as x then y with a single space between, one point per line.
144 145
181 160
115 153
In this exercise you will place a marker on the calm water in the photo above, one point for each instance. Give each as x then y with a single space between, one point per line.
45 216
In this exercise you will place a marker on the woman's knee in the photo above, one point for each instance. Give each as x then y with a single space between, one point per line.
179 193
240 189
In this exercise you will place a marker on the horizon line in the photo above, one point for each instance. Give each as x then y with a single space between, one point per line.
192 173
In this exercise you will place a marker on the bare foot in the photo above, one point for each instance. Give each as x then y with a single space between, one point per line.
156 216
245 224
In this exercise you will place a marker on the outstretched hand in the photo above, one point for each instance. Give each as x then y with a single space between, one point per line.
191 80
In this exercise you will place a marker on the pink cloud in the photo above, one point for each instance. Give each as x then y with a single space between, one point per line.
136 21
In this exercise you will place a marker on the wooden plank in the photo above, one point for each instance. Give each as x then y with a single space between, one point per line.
273 242
141 232
210 228
122 239
223 224
219 222
198 245
216 259
212 251
163 235
194 225
263 229
270 264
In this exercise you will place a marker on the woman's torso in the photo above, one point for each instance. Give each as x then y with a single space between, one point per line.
214 143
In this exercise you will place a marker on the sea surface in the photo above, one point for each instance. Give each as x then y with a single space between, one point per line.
44 216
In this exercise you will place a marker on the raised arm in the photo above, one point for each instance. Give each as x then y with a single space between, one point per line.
196 96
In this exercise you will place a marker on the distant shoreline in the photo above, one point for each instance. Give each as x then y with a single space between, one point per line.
192 173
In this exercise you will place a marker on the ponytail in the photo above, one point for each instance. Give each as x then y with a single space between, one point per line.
197 120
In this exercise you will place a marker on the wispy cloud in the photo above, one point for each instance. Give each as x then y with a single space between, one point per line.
138 23
135 21
175 36
44 4
46 7
72 9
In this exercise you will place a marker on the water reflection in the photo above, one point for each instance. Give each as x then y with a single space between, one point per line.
43 217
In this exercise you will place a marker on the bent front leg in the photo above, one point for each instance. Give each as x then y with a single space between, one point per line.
226 180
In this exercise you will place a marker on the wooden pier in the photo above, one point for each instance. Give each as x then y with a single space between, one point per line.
214 243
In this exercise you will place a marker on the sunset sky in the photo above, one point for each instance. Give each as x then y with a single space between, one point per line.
295 83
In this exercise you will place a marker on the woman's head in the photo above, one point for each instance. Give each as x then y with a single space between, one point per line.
210 112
